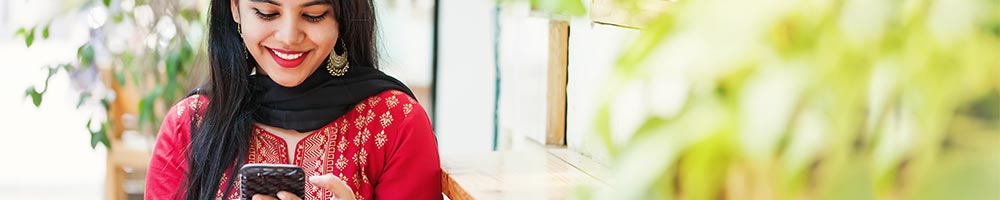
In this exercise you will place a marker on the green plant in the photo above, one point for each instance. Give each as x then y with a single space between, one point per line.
828 99
145 48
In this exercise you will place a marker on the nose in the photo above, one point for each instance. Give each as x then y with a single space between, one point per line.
289 31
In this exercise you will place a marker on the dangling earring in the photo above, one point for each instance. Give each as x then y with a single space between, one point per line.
253 70
338 65
239 28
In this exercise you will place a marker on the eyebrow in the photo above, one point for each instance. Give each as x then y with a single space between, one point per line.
311 3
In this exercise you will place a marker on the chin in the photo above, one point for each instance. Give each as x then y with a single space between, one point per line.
287 82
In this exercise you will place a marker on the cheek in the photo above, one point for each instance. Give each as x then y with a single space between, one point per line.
325 39
324 36
254 33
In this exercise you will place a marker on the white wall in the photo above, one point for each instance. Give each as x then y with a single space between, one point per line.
593 51
466 83
524 52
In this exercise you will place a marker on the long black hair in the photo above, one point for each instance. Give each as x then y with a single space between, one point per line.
220 140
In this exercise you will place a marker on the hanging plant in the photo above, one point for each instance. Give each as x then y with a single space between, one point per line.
146 48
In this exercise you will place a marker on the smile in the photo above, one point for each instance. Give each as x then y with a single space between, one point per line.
288 59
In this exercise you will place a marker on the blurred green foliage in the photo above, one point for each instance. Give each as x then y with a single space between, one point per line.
814 99
147 48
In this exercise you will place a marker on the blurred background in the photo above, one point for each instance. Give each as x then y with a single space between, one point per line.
644 99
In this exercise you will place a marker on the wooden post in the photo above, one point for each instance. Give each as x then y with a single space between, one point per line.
555 127
115 175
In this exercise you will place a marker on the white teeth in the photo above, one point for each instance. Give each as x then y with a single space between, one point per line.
287 56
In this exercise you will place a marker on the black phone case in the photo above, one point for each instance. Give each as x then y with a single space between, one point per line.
270 179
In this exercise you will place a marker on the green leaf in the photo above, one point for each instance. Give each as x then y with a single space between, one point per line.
91 132
560 7
52 71
173 62
36 97
99 136
120 77
66 67
45 31
106 103
88 125
107 3
146 106
85 54
653 36
29 38
118 18
103 137
186 58
95 137
20 32
83 99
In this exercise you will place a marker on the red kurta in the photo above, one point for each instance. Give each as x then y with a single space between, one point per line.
383 149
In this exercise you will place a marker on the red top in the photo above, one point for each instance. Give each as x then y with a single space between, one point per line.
383 149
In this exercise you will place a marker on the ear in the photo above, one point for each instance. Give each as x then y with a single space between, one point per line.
235 10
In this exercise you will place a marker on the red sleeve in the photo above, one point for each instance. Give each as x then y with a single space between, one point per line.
168 166
412 167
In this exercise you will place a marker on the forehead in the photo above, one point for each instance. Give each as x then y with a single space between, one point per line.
294 3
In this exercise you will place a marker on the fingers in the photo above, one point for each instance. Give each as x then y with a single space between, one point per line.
333 184
287 196
263 197
281 196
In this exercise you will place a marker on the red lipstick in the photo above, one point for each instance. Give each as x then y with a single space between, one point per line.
288 59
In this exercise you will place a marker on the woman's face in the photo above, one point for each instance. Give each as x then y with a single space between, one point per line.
288 38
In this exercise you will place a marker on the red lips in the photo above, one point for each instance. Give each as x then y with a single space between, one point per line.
287 59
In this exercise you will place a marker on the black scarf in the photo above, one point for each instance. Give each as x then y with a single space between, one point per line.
320 99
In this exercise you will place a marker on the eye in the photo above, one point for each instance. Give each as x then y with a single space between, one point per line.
265 16
316 18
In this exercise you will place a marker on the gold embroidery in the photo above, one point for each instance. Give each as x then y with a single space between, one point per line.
341 162
380 139
327 151
195 103
358 122
266 144
391 101
195 106
386 119
361 121
369 116
342 145
407 108
330 130
357 183
364 176
180 111
374 100
343 126
360 107
361 138
362 158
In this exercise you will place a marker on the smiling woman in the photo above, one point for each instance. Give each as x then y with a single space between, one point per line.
355 131
289 41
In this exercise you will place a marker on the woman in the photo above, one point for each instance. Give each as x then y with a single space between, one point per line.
294 82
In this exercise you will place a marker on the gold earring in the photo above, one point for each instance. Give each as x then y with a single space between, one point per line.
338 65
253 70
239 28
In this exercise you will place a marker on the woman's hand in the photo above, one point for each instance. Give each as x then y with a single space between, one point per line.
329 182
281 195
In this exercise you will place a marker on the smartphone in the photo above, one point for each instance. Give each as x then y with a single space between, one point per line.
269 179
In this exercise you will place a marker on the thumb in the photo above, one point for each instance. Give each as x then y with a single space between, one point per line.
333 184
